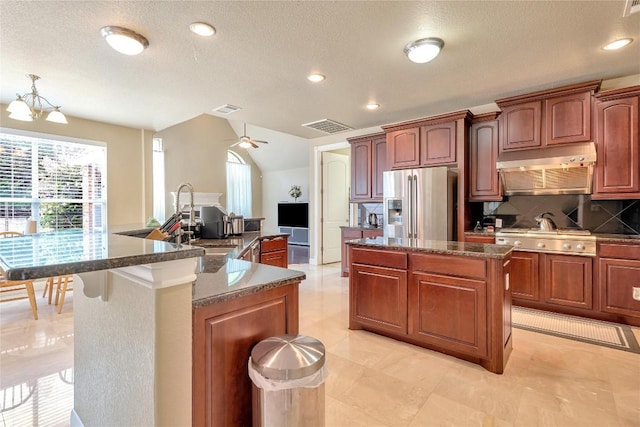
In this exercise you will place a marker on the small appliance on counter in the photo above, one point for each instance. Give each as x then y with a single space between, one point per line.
373 220
213 225
234 224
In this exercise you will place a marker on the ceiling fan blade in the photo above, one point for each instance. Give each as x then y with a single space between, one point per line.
260 141
253 144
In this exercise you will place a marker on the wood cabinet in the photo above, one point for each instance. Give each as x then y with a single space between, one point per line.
223 336
619 279
274 251
447 310
473 237
617 174
438 144
550 117
568 118
403 147
368 162
373 283
524 276
432 141
459 305
483 153
350 233
568 280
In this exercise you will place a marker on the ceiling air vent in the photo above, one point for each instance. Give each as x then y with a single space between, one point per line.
226 109
327 126
631 7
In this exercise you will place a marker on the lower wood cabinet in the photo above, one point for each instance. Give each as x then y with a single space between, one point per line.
274 251
223 335
476 238
568 280
524 276
619 271
459 305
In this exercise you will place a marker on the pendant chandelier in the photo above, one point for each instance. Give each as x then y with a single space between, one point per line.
32 106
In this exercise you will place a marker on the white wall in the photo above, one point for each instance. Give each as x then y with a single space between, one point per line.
275 189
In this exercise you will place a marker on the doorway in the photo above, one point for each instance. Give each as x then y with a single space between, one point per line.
335 202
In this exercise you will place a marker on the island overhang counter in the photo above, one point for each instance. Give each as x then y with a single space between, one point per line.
452 297
135 304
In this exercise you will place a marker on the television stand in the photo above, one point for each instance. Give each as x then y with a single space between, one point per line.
297 235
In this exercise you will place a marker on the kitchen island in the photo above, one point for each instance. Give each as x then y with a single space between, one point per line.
136 302
452 297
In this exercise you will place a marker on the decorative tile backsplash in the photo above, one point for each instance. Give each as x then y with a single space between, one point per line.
569 211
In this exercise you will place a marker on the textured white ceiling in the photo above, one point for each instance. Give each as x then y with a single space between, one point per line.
262 52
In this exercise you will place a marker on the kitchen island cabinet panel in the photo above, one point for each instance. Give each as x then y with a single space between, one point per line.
617 174
448 312
274 251
223 336
350 233
371 286
568 280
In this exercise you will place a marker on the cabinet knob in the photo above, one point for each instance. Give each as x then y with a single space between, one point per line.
541 245
517 243
566 246
580 247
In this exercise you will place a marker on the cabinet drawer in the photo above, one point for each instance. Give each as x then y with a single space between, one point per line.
372 233
450 265
390 259
610 250
268 245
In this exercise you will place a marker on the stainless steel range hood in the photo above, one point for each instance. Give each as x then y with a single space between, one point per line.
562 169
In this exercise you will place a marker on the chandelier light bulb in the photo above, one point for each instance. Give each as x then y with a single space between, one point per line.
56 116
124 40
423 50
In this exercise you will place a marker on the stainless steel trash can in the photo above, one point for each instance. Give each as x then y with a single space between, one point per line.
288 374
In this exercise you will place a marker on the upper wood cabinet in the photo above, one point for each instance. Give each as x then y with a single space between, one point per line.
431 141
483 153
403 147
550 117
368 162
617 174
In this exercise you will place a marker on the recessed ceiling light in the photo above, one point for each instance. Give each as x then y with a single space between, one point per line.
316 77
202 29
372 106
617 44
423 50
124 40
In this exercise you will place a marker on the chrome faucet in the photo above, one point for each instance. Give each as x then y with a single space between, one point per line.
189 188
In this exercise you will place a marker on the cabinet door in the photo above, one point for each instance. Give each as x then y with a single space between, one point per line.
620 286
568 280
568 118
485 182
448 312
277 258
520 126
524 276
403 148
438 144
378 298
361 170
618 166
379 153
223 336
348 234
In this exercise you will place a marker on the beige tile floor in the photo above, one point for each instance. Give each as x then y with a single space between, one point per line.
373 381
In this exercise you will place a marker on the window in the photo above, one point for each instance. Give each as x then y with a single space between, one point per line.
238 185
158 180
61 184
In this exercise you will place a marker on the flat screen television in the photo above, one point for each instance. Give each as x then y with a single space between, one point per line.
293 215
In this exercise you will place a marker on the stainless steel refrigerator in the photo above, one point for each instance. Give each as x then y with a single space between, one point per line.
420 203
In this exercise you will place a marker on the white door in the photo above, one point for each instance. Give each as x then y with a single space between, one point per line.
335 203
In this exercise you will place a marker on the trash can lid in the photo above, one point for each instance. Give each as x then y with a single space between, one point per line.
287 357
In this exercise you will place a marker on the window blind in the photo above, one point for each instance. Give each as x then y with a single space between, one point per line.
59 184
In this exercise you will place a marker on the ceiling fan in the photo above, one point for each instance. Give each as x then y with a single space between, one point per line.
246 142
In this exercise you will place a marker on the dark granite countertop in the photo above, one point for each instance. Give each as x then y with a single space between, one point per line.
35 256
633 239
435 246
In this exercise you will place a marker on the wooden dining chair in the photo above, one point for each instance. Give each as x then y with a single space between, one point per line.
61 285
14 287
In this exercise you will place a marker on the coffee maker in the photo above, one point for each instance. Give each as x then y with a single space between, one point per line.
213 222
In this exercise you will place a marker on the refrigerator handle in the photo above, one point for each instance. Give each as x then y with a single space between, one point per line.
415 206
410 210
